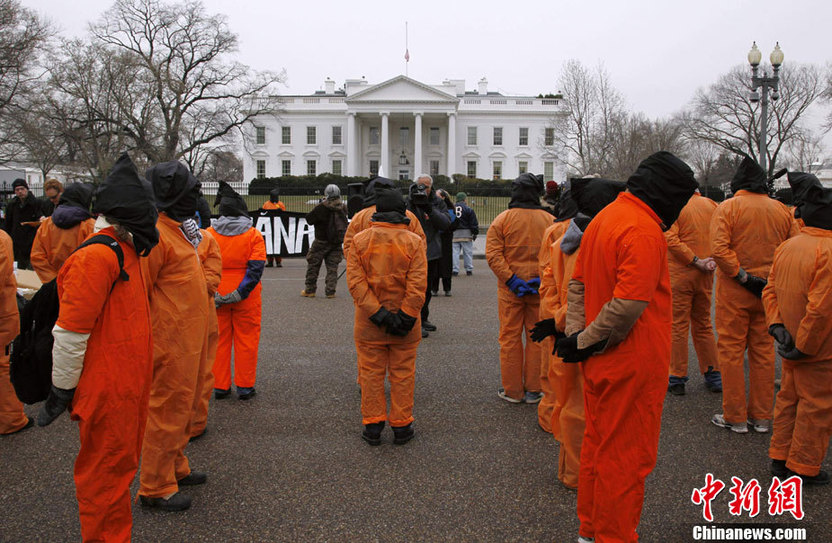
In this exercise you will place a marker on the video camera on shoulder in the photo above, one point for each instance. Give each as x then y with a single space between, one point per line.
419 194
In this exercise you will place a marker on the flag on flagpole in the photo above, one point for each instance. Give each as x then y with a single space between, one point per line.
407 55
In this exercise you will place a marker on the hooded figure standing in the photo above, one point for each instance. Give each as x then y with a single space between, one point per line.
565 382
797 299
23 208
745 232
238 299
387 277
60 234
330 221
618 323
103 353
274 204
511 248
176 288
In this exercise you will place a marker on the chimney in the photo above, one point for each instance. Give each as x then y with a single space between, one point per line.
483 86
329 85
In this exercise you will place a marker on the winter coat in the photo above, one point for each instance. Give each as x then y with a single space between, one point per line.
29 210
330 221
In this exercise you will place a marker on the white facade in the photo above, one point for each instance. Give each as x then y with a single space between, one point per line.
403 128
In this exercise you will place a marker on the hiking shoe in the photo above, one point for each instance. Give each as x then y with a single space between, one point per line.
532 397
713 380
502 394
193 478
779 469
429 326
821 478
177 502
677 389
331 295
245 393
307 294
761 426
372 433
403 434
220 393
469 272
447 293
739 427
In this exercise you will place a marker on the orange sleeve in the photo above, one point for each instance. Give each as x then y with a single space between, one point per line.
152 264
357 283
211 262
281 206
772 308
677 247
417 281
84 283
495 250
38 257
721 250
816 326
258 246
9 316
638 267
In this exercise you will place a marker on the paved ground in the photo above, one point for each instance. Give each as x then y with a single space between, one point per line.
290 465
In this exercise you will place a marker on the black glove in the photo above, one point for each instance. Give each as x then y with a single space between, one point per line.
406 322
382 318
755 285
790 353
394 326
544 329
56 403
567 349
781 335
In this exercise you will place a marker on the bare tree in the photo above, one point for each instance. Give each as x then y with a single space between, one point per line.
725 116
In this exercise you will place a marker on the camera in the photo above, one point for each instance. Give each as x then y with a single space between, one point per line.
419 194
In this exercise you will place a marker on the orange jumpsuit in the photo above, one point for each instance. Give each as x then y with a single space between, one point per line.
12 417
176 288
53 245
361 221
279 206
745 232
567 415
387 267
544 408
239 324
623 255
799 295
511 248
209 255
690 236
111 400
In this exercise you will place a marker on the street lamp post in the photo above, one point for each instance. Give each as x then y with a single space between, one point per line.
764 83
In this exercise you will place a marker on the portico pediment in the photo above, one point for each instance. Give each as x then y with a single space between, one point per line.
401 89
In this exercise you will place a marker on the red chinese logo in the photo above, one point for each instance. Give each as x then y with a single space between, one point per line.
786 496
705 495
746 498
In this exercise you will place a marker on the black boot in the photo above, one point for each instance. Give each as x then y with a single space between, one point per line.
372 433
177 502
402 434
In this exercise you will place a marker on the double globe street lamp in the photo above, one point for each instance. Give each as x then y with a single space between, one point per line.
764 83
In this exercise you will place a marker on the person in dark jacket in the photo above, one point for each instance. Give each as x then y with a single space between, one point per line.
466 232
434 217
23 208
446 239
330 221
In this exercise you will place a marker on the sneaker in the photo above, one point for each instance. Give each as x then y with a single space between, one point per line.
307 294
582 539
246 393
455 274
330 296
193 478
677 389
779 469
220 393
739 427
372 433
403 434
177 502
447 293
713 380
532 397
429 326
469 272
434 293
502 394
761 426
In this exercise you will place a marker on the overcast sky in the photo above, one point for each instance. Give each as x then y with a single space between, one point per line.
658 52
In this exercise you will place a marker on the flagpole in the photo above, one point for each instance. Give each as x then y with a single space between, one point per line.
406 53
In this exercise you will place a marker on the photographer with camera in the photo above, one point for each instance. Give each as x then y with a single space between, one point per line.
435 218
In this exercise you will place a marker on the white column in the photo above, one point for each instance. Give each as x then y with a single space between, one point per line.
451 144
352 144
417 146
385 147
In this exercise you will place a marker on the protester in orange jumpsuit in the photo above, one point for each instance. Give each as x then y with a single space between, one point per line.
63 231
745 232
176 288
511 248
387 277
238 298
103 354
209 255
797 299
692 281
275 204
590 195
567 210
621 290
12 417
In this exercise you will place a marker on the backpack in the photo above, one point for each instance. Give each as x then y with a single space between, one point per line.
336 227
30 366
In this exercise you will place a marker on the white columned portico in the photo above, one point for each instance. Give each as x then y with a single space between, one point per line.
385 145
451 143
417 145
352 146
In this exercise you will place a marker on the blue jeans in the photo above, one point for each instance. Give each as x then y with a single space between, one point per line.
467 248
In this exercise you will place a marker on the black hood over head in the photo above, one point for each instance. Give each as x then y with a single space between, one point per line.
274 195
665 183
77 195
813 200
749 176
526 191
128 199
566 208
373 186
230 202
176 190
390 206
593 194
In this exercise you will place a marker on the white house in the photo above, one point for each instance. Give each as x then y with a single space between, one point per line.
403 127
